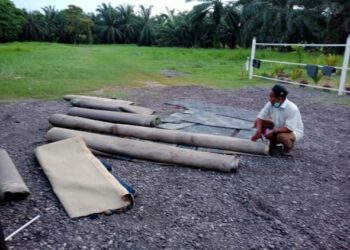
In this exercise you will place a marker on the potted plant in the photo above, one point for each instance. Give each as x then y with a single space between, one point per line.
297 73
303 83
347 89
327 85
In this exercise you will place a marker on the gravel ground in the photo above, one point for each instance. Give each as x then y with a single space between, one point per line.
271 203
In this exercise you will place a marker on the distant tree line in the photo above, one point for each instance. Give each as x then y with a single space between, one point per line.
210 24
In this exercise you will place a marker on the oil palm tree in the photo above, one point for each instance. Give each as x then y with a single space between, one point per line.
33 27
128 23
147 35
216 8
51 22
279 21
175 30
229 29
199 23
107 24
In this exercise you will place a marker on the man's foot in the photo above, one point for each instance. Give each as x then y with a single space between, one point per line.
274 146
275 150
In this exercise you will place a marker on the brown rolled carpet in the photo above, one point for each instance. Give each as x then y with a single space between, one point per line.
161 135
116 117
149 150
107 105
12 186
2 239
82 97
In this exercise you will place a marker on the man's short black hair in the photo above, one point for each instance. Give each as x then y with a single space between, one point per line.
280 91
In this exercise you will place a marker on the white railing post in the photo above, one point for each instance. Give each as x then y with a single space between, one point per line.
344 67
252 56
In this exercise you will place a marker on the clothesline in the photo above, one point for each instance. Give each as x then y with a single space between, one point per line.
301 45
344 68
293 63
298 83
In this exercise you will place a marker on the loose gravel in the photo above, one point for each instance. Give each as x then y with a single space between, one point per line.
271 203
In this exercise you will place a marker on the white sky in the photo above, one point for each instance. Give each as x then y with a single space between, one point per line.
91 5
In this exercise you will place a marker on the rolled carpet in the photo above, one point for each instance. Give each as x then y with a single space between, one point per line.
149 150
2 239
12 187
116 101
107 105
161 135
116 117
80 181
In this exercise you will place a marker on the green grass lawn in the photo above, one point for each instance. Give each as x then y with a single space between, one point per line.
49 70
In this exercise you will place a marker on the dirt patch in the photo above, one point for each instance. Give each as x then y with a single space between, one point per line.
152 84
272 203
173 73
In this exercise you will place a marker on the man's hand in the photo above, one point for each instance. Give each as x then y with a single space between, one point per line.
257 136
270 134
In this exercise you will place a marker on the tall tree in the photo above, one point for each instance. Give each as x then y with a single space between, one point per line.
129 25
279 21
51 23
200 27
211 23
175 30
229 29
77 25
33 27
107 24
11 20
216 8
337 14
147 35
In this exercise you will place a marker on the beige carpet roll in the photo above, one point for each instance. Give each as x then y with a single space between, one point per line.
161 135
12 187
116 117
107 105
80 181
149 150
116 101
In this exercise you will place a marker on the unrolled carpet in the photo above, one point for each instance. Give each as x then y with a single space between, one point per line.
80 181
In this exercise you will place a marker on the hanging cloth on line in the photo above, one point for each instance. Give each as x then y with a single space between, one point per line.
312 70
256 63
328 70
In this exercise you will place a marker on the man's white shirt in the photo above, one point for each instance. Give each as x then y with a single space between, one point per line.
287 115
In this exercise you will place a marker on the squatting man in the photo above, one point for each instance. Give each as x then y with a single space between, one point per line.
279 121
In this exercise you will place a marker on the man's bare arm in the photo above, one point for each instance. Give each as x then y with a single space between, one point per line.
258 134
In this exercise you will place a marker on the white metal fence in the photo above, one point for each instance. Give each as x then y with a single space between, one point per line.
341 90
